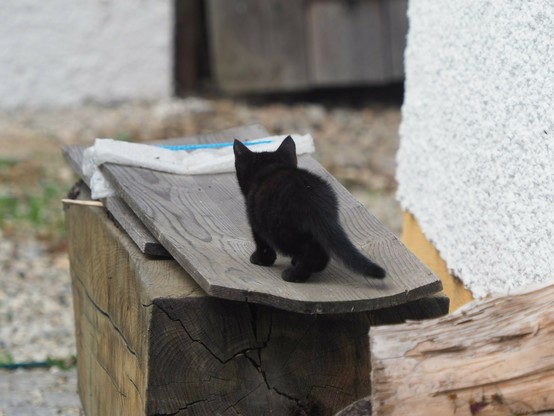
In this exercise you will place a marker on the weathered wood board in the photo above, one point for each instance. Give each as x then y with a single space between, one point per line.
201 221
276 45
346 42
258 44
119 210
151 342
492 357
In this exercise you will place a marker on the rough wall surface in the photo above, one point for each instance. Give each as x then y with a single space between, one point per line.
476 160
63 52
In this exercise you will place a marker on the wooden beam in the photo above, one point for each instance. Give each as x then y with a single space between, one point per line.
492 357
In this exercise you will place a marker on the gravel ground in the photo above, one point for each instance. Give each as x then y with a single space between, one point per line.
39 393
356 140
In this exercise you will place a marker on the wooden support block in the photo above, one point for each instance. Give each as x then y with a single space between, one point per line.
415 240
492 357
151 342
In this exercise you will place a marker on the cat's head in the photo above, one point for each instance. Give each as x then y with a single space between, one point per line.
249 163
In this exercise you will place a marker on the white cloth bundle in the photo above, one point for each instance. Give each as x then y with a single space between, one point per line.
194 160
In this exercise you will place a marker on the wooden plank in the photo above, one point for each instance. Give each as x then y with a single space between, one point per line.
346 42
258 45
417 243
395 23
119 210
201 221
492 357
110 377
113 284
151 342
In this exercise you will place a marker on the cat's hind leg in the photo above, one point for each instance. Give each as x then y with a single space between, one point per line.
264 255
311 258
321 259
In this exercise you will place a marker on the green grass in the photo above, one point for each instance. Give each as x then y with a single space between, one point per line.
36 208
8 363
6 359
31 204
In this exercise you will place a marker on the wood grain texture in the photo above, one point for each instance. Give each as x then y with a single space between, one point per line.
201 221
255 360
119 209
492 357
346 42
113 285
258 45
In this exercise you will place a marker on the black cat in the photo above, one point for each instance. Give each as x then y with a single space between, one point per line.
294 212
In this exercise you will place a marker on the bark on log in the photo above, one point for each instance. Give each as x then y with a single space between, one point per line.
492 357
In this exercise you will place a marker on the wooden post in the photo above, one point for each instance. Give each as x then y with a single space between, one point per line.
151 342
492 357
415 240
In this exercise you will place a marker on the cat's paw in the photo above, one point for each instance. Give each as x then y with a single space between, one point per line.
263 258
290 274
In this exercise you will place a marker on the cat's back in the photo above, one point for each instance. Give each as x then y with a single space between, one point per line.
290 185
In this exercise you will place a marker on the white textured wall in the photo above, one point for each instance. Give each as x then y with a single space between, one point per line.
476 161
64 52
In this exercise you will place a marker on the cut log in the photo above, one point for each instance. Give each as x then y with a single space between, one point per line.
492 357
151 342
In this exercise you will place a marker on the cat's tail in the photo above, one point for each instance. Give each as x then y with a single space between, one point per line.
332 237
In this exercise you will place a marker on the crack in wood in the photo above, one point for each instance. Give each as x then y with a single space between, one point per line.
105 314
187 406
109 376
208 349
232 406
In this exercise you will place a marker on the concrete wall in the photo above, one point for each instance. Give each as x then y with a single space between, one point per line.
476 160
65 52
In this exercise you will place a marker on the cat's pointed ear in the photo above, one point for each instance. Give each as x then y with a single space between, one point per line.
240 149
287 151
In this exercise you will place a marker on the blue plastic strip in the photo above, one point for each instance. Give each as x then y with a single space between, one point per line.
211 145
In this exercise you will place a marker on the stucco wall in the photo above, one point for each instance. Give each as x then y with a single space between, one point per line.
64 52
476 160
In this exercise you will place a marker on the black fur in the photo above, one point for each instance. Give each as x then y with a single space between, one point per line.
294 212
